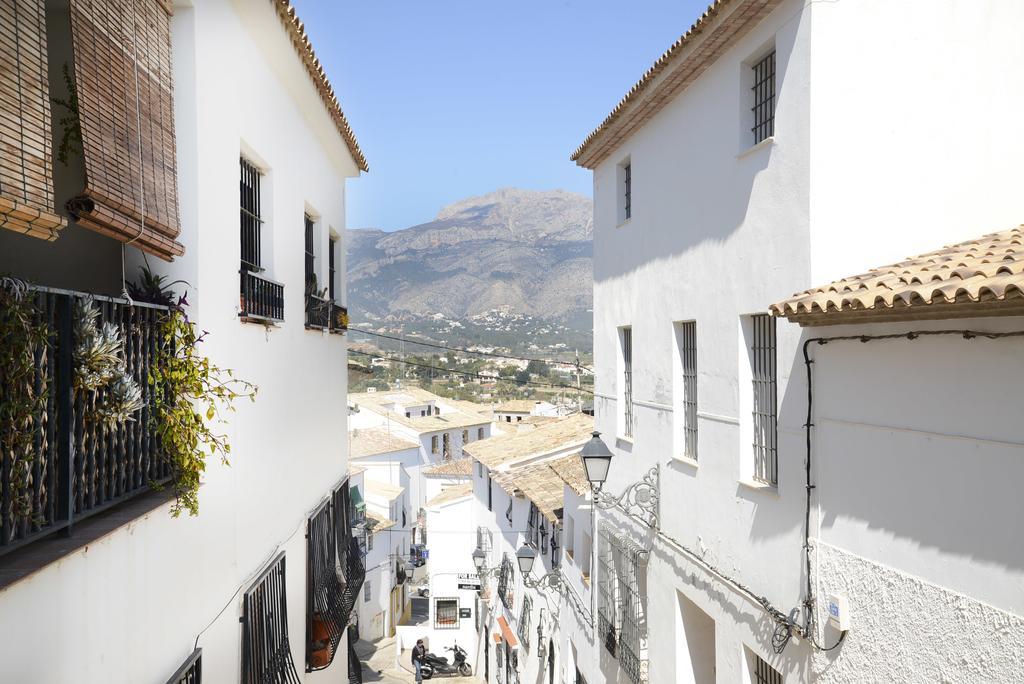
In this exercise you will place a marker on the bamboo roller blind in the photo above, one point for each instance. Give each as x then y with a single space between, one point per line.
26 180
113 41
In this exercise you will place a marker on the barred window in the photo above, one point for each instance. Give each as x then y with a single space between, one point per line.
765 412
525 616
191 671
627 190
266 652
310 264
465 436
479 433
765 673
508 511
506 582
763 90
686 403
433 444
556 556
622 622
490 493
326 614
627 381
251 222
446 613
447 441
531 526
332 248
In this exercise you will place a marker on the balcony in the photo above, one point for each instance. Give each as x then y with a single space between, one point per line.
324 314
64 458
261 300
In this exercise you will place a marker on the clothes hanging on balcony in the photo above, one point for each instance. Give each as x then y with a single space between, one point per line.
122 59
26 173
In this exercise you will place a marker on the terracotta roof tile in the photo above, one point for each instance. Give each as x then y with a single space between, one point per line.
571 470
462 413
723 22
541 483
568 432
364 442
459 467
384 489
452 494
378 522
297 33
978 277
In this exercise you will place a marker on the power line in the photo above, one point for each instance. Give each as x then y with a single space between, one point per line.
435 345
532 383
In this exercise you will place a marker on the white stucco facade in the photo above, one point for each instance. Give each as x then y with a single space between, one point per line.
718 231
131 606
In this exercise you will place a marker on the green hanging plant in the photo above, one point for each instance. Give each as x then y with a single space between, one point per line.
22 408
191 395
71 137
99 361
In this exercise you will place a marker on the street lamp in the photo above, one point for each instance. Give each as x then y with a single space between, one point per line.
480 562
526 557
640 499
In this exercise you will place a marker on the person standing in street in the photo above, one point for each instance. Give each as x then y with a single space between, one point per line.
419 655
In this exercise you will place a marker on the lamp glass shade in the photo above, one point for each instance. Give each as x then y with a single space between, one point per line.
478 559
597 459
525 555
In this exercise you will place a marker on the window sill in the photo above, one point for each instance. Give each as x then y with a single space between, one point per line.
771 490
260 320
767 142
625 440
624 223
686 461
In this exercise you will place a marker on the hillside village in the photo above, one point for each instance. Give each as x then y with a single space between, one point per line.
747 417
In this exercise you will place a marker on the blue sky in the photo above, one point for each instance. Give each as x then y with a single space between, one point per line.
454 98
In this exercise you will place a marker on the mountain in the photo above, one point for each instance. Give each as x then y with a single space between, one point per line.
524 251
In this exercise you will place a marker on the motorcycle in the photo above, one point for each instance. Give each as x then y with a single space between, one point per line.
439 665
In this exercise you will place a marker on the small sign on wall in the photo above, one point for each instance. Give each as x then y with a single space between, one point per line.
465 612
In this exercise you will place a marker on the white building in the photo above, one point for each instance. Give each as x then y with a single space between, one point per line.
131 591
441 427
515 410
780 143
385 599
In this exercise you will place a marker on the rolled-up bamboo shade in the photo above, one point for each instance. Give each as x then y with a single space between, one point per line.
128 196
26 178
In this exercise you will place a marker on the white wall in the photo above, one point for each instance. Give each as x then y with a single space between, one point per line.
131 604
716 232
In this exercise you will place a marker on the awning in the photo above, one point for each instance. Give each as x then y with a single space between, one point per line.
357 499
506 633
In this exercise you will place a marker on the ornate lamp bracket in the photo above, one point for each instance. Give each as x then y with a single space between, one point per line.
639 500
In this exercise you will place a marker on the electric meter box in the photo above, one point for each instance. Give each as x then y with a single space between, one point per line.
839 612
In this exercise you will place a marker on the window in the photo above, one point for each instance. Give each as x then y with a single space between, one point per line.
586 546
568 535
508 511
465 436
367 592
446 613
525 616
626 340
762 672
408 415
479 433
556 559
506 582
532 522
627 191
266 653
763 108
433 444
479 469
325 604
252 224
508 419
765 412
685 392
447 440
310 267
332 273
622 623
260 298
519 418
490 493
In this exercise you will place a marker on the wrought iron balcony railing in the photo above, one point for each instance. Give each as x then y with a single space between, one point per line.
339 318
318 312
261 299
78 462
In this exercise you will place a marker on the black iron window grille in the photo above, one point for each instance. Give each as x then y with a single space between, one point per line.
765 673
627 178
319 307
332 273
525 617
446 613
508 511
764 98
266 652
622 607
765 412
446 442
506 582
434 444
556 556
75 466
191 671
531 526
465 436
325 593
310 254
688 361
251 223
262 299
542 543
627 381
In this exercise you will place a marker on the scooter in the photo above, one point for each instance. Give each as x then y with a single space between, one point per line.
438 665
